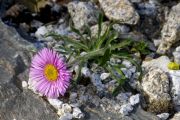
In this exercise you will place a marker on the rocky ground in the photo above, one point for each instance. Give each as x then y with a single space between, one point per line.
155 97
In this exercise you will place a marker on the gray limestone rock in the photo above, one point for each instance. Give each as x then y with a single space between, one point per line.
83 13
155 87
175 89
171 30
157 63
120 10
16 102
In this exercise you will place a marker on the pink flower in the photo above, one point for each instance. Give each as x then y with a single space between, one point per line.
50 73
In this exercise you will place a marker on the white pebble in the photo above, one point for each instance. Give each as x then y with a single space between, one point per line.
41 31
24 84
126 109
127 63
104 76
66 108
163 116
66 116
55 103
86 72
135 99
77 113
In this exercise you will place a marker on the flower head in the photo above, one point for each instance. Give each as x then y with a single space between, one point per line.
50 73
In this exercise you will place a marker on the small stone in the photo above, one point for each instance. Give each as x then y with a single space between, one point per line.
66 116
95 78
126 109
157 63
175 90
157 42
120 10
126 72
83 53
104 76
176 55
41 31
133 69
170 31
24 84
73 96
67 108
83 13
86 72
121 28
127 63
163 116
135 99
77 113
56 103
178 49
123 97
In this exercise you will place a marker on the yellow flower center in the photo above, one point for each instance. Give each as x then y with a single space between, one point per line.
51 72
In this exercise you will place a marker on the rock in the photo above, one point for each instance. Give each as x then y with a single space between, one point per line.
163 116
176 116
175 90
126 109
95 78
73 96
155 87
171 30
15 102
24 84
86 72
77 113
120 10
127 72
56 103
83 13
66 116
104 76
127 64
134 99
121 28
94 29
66 108
111 85
42 31
157 63
147 8
123 97
176 55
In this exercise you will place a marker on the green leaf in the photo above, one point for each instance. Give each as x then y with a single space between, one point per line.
70 55
116 90
112 37
106 57
100 20
122 44
113 69
89 55
88 31
101 39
